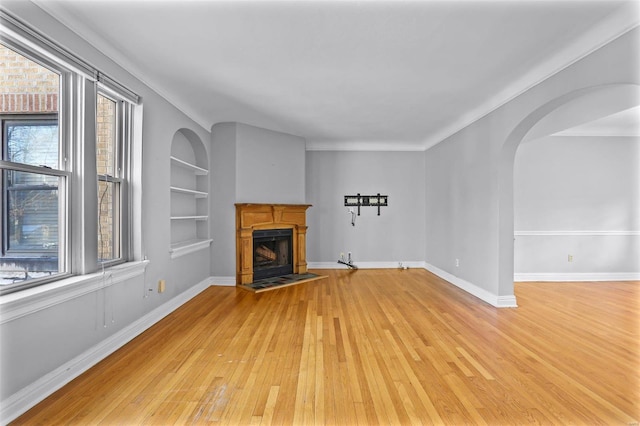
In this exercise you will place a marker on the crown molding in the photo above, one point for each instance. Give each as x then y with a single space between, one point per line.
57 12
618 23
321 145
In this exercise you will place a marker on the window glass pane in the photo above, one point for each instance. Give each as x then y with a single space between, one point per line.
108 219
106 136
108 191
29 102
32 142
32 224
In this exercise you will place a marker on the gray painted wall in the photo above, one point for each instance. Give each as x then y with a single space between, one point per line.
35 344
469 194
270 166
222 198
460 212
250 165
396 235
583 185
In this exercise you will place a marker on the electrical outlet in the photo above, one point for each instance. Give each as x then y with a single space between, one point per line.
457 262
161 286
570 258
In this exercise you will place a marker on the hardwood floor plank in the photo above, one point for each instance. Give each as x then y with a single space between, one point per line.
422 399
372 347
270 406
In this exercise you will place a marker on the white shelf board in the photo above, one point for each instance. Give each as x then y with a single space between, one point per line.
189 217
196 169
185 247
197 194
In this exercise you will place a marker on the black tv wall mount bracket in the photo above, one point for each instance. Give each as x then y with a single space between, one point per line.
366 201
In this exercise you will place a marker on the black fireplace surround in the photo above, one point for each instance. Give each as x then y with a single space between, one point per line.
272 253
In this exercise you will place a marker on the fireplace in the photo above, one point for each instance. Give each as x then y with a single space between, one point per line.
272 253
270 224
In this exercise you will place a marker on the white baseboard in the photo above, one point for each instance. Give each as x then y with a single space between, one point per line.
29 396
480 293
324 265
223 281
506 302
577 276
573 233
364 265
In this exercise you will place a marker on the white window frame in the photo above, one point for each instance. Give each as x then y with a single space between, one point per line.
80 84
122 174
63 171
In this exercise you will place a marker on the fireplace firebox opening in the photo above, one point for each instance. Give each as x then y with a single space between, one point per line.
272 253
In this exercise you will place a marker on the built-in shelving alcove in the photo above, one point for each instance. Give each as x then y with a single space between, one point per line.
189 194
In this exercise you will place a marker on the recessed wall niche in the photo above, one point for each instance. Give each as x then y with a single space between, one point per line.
189 194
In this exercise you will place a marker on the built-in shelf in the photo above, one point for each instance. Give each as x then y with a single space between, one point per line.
197 194
196 169
189 188
189 217
189 246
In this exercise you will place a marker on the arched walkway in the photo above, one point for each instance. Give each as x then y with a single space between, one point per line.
567 110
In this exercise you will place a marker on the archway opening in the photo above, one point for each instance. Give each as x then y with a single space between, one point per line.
564 112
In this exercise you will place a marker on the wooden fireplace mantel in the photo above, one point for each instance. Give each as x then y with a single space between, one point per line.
269 216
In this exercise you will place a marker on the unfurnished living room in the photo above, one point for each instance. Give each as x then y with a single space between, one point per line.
306 212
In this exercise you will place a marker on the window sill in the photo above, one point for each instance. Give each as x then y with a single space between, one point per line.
28 301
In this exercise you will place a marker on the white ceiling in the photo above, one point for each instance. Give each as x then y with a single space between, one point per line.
344 74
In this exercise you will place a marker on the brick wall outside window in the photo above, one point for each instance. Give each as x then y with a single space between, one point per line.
25 86
105 151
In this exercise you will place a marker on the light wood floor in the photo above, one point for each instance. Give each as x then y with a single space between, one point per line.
372 347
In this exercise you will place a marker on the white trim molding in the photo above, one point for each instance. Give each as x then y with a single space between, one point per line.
575 276
578 233
366 265
482 294
379 146
223 281
29 396
189 247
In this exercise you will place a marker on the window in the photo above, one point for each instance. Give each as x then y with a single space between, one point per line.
33 178
62 122
111 149
32 219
